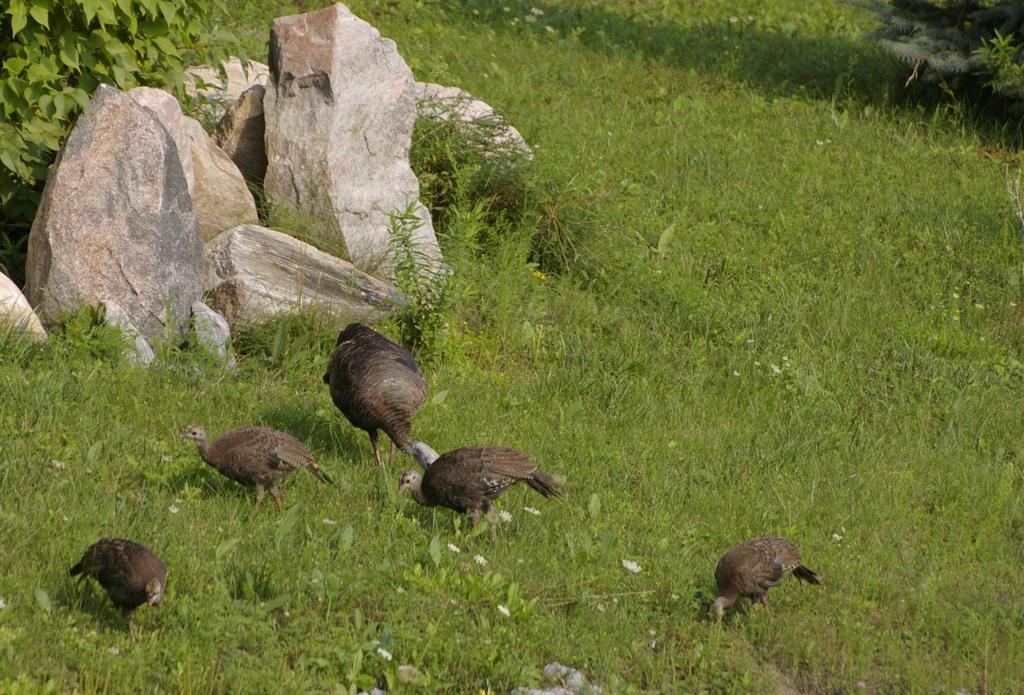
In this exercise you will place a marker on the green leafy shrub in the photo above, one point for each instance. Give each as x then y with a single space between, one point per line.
53 55
949 39
477 186
428 295
462 163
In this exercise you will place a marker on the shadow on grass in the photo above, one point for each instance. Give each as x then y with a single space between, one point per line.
774 62
86 595
338 437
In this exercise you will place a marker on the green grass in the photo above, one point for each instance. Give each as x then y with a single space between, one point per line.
826 345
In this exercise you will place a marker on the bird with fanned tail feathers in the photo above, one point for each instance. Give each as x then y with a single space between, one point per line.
258 457
377 385
468 479
131 574
753 567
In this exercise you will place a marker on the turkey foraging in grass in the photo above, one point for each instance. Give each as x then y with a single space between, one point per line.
753 567
377 385
468 479
130 573
258 457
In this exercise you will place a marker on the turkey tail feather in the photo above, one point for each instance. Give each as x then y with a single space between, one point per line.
806 575
544 484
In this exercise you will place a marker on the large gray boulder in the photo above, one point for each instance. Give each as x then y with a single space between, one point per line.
241 134
115 223
221 197
253 273
340 109
15 311
168 111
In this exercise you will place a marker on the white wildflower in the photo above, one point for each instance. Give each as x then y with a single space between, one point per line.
775 369
3 604
735 373
114 650
384 653
631 566
530 19
504 516
536 12
956 295
59 465
819 143
454 548
330 522
531 510
480 560
836 537
65 518
173 509
979 306
504 611
733 20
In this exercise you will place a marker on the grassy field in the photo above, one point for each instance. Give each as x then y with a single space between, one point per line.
774 296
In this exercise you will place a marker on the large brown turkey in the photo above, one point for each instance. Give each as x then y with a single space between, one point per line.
131 573
468 479
377 385
753 567
258 457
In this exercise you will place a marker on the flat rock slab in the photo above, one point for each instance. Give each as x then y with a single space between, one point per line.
115 223
253 273
16 312
339 111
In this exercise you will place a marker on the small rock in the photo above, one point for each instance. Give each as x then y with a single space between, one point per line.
241 134
568 681
114 315
16 312
115 222
213 331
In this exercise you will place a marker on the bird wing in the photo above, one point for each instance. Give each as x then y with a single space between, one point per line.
291 456
478 473
505 463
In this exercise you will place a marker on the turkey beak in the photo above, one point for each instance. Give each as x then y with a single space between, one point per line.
153 600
